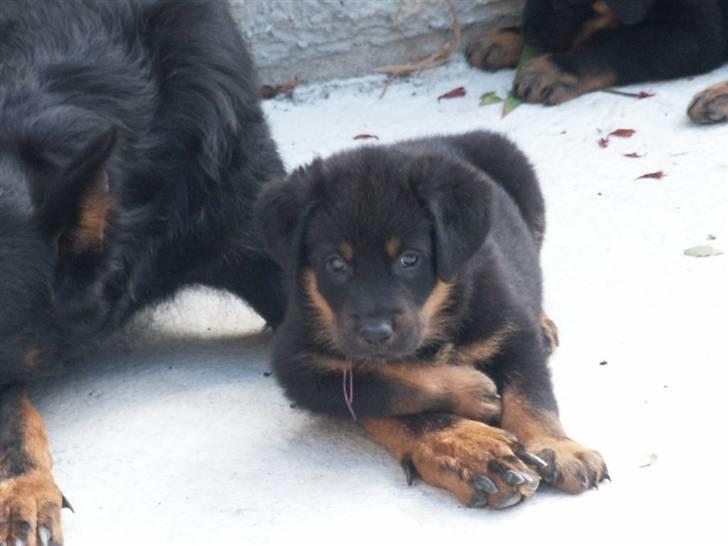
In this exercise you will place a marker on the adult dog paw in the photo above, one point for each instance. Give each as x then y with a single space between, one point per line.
30 510
710 105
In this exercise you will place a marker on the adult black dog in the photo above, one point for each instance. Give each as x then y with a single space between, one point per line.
415 271
592 45
132 145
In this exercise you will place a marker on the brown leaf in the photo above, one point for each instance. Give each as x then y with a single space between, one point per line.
634 155
366 136
656 175
624 133
453 93
271 91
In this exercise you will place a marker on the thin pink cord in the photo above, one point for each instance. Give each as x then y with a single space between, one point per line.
349 389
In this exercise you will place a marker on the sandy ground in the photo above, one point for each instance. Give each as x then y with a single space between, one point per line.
174 433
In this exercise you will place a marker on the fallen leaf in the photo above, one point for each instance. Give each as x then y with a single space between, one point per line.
624 133
656 175
603 142
366 136
651 459
491 97
513 101
271 91
640 95
634 155
645 94
702 251
452 94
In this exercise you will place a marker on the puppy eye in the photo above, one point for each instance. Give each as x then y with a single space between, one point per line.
336 265
409 259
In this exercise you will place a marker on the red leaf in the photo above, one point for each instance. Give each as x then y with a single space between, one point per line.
454 93
603 142
656 175
624 133
365 136
645 94
271 91
633 155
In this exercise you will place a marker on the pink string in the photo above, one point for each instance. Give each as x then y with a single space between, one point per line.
348 377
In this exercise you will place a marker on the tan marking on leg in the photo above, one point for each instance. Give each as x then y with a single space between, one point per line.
604 20
483 351
495 49
571 466
392 247
31 500
467 458
346 251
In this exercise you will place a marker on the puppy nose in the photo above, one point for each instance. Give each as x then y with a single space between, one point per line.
376 331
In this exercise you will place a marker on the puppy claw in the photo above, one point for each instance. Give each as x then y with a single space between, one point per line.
410 472
510 500
484 484
531 459
65 503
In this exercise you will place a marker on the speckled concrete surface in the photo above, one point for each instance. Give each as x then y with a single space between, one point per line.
174 434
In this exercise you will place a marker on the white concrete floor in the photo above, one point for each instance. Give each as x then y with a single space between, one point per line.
173 434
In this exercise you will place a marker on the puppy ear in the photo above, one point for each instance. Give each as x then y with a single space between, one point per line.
75 207
630 12
458 198
281 212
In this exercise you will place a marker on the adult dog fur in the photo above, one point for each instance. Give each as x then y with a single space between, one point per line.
592 45
414 271
132 146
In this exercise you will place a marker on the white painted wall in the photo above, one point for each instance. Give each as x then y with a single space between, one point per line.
324 39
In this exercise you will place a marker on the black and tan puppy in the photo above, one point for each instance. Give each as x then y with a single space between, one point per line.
414 271
596 44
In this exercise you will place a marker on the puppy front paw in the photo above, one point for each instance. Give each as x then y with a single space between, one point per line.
475 462
570 466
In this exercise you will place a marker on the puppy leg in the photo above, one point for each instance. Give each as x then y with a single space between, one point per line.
652 51
495 49
477 463
30 501
317 383
710 105
530 412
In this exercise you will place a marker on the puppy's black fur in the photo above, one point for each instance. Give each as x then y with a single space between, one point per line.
132 146
413 268
595 44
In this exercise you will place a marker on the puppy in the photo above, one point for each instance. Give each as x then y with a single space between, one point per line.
132 146
414 279
593 45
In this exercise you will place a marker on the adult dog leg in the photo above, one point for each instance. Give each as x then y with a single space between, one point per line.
30 501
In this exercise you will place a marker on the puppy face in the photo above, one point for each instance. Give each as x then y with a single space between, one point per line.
558 25
378 243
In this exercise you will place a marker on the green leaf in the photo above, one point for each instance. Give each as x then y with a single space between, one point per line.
491 97
702 251
512 100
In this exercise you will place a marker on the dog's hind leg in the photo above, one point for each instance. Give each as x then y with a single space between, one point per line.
30 501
